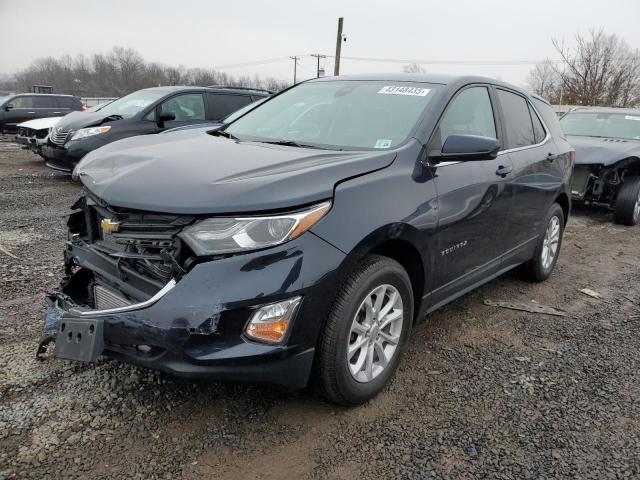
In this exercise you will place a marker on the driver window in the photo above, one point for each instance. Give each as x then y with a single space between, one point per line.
186 107
469 113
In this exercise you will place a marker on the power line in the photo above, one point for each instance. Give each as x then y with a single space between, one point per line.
450 62
254 62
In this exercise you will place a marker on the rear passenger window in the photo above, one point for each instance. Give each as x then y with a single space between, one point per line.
44 102
517 120
538 130
222 105
469 113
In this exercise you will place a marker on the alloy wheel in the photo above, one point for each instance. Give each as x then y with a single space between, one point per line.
375 333
551 242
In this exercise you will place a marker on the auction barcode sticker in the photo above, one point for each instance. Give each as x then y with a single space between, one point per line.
394 90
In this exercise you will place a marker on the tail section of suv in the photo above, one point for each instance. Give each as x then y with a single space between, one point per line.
16 109
147 111
307 237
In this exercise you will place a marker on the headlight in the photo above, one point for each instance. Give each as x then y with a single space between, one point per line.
89 132
215 236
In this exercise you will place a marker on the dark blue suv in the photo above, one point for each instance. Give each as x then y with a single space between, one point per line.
307 237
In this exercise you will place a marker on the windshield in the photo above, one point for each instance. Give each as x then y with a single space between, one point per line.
338 114
597 124
133 103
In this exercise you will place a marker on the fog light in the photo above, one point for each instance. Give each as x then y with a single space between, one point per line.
270 322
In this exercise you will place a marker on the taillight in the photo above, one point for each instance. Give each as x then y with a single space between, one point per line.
83 108
572 155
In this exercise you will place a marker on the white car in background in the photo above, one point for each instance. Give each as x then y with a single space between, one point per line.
34 133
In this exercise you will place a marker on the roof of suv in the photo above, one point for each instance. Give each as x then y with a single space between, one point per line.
42 95
422 77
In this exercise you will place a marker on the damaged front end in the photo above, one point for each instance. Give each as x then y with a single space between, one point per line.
599 184
135 291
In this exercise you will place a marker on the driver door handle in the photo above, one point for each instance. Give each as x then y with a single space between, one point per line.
503 170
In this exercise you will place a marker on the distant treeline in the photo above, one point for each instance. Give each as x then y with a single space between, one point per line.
121 71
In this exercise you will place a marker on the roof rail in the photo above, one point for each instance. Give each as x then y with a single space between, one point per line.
230 87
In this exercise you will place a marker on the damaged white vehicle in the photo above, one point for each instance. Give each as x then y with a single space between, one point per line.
35 133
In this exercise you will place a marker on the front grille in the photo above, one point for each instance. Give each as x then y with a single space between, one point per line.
144 241
59 136
106 298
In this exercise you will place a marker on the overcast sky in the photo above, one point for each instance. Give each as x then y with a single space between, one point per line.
199 33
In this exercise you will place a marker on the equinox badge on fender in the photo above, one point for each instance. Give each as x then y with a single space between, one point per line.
109 226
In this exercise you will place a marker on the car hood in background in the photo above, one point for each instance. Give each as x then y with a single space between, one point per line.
603 151
77 120
40 123
192 172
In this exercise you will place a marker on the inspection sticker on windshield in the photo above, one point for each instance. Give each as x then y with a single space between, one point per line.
414 91
382 143
632 117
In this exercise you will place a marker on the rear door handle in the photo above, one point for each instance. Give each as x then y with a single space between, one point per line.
503 170
551 157
56 112
32 112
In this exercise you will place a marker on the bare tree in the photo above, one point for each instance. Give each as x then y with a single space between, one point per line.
599 69
545 81
121 71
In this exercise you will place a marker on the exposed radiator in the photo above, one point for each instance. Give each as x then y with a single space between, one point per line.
580 180
107 298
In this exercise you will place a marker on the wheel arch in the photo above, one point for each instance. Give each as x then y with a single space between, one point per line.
564 201
398 242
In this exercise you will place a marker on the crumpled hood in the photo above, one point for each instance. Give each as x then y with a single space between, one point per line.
192 172
77 120
603 151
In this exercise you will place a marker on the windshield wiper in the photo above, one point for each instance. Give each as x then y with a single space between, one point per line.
223 133
291 143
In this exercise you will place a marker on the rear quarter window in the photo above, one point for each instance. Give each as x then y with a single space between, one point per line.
67 102
549 117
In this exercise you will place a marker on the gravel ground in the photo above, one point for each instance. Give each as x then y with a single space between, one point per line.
483 392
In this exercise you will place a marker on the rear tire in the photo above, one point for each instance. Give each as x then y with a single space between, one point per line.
361 345
544 260
627 211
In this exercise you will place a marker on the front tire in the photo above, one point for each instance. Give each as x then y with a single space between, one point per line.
544 260
366 332
627 211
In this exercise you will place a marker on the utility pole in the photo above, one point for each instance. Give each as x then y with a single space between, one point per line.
295 65
318 56
336 68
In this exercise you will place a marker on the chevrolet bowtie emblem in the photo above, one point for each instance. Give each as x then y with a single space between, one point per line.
109 226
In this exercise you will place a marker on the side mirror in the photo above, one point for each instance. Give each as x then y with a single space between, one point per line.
8 106
162 117
468 147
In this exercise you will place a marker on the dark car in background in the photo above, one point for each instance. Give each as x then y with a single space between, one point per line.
607 172
147 111
309 235
20 108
